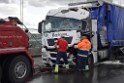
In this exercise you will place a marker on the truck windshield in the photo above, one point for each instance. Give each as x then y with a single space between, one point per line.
58 24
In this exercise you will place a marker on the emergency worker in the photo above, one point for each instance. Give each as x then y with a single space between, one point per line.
84 47
62 46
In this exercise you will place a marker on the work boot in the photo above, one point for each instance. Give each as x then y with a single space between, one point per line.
56 69
67 66
86 68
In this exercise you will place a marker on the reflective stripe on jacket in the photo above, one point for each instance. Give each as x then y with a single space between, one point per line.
83 53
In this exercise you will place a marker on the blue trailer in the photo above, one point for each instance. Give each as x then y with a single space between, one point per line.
112 17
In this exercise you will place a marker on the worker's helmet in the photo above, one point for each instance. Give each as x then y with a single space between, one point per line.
85 35
63 36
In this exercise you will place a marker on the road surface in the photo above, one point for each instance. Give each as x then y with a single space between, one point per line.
101 73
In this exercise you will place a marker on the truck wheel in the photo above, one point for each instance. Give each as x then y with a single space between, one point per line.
0 72
17 70
90 61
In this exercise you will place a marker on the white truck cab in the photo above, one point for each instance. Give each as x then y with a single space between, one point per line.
70 23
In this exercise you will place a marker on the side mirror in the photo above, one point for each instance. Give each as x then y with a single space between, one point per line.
26 30
40 26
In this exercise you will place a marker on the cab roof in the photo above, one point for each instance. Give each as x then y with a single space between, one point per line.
75 13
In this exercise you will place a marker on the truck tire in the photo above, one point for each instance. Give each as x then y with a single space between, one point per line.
90 61
17 70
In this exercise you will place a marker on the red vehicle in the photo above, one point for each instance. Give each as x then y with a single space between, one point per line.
16 63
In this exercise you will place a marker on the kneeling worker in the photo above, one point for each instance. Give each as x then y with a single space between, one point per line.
84 47
62 46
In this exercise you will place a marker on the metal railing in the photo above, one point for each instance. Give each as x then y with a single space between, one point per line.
34 40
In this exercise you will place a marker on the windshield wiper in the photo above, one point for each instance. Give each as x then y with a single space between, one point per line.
64 29
51 31
59 30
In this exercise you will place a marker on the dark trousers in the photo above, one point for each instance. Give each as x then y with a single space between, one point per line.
61 55
82 62
82 59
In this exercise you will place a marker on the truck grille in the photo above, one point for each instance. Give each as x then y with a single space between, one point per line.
51 42
51 50
53 55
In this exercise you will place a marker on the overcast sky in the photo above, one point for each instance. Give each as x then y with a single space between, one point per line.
33 11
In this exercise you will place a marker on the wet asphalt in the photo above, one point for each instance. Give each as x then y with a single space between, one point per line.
101 73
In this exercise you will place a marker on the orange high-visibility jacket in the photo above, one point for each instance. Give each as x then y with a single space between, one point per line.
84 44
